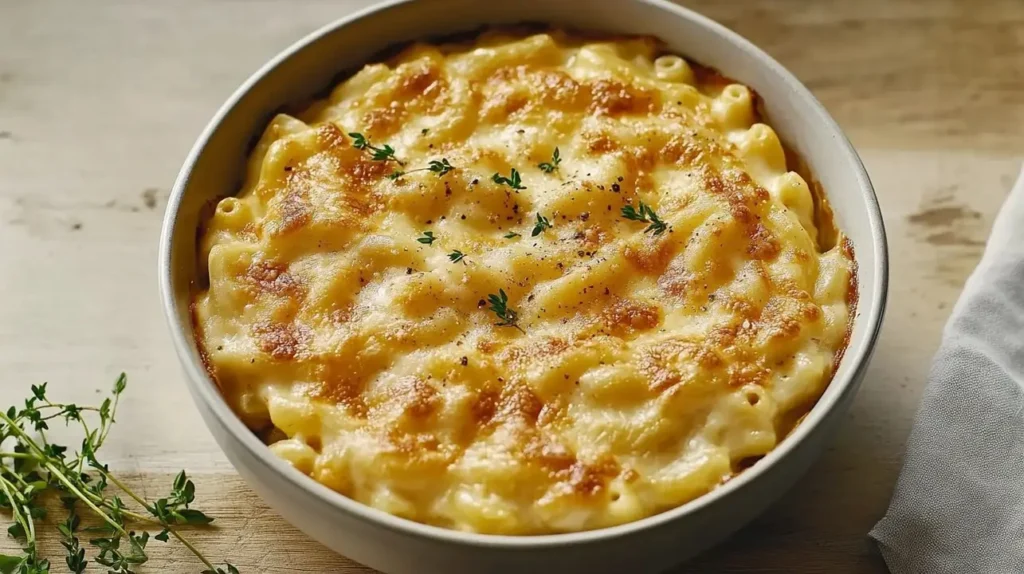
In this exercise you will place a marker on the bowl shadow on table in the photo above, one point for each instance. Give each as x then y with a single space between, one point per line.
783 541
821 524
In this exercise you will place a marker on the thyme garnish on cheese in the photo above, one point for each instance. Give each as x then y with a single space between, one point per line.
646 215
541 224
514 180
499 306
378 153
550 167
440 167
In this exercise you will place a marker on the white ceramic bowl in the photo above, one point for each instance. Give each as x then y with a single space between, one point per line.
398 546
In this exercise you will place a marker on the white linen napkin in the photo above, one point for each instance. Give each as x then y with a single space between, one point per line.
958 507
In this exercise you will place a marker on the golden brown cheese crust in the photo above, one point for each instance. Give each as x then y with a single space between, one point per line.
643 368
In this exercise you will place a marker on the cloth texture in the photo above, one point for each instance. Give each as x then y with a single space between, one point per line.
958 507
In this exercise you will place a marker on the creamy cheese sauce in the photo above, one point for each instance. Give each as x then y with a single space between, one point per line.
669 310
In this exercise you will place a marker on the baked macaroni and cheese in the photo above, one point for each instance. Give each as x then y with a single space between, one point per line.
526 284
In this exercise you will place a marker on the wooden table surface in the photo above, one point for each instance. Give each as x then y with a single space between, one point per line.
101 100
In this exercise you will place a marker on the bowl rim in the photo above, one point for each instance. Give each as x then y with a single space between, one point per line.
203 388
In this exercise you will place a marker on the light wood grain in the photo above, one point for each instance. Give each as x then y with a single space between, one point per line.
100 101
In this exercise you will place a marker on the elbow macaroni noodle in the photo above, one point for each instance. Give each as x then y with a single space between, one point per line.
644 369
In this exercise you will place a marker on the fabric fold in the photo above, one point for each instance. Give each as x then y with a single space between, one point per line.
958 506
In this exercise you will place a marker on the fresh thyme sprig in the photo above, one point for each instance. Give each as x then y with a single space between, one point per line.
499 306
646 215
550 167
440 167
75 558
382 153
512 235
428 238
514 180
455 256
30 465
540 226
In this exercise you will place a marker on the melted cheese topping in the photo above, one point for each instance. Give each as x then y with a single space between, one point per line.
643 370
